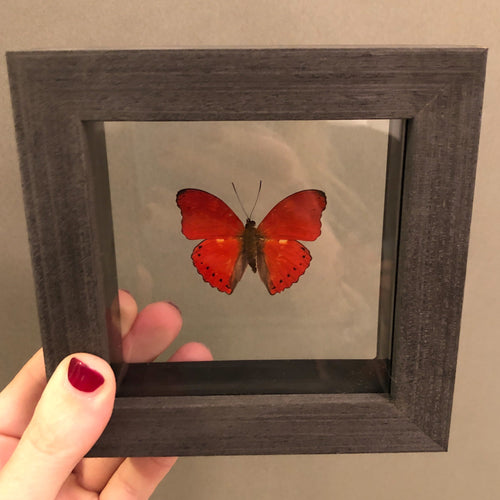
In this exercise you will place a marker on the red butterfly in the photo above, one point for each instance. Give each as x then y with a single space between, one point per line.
271 247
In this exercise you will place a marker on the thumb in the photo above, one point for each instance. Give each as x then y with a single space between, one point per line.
70 416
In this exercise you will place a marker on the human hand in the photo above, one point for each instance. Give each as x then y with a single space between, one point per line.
47 428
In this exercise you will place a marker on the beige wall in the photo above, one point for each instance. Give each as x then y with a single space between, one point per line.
471 466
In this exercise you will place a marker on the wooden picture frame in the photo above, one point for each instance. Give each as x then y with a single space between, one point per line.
60 101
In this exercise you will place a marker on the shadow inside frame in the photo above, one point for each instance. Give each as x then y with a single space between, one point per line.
296 376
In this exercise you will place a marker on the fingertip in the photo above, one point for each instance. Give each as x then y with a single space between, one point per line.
173 313
161 314
78 401
175 306
80 394
154 329
192 351
83 370
38 361
128 311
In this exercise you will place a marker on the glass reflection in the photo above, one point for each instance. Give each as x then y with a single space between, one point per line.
332 310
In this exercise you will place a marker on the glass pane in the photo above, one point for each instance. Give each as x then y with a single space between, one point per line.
332 310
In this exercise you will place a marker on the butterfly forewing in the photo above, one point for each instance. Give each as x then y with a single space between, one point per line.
297 217
204 216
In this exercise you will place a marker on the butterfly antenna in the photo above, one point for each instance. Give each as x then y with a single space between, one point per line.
256 199
241 204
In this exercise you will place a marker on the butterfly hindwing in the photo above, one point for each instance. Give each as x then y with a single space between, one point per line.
296 217
281 263
220 262
204 216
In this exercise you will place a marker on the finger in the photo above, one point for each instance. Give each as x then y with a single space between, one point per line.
18 400
128 311
192 351
71 489
137 477
71 414
147 335
94 473
154 329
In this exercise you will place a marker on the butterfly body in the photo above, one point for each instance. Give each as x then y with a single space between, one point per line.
271 248
251 244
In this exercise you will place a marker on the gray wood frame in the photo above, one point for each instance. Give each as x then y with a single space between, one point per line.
59 100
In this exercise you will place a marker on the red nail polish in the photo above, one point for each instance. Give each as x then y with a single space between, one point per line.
82 377
172 304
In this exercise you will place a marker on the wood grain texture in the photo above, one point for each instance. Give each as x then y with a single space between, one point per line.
434 233
257 425
58 95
